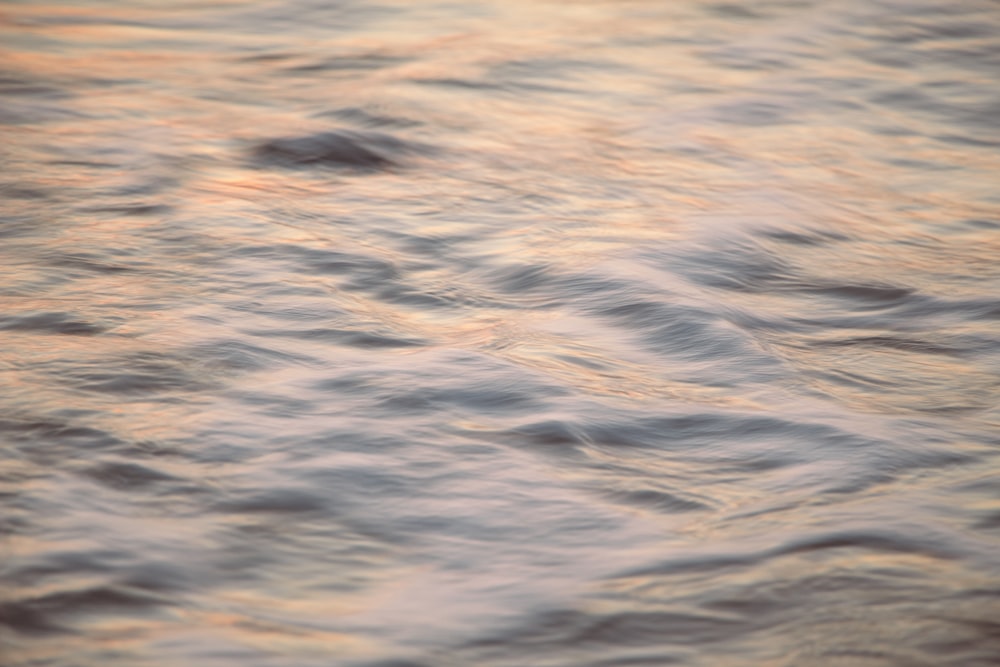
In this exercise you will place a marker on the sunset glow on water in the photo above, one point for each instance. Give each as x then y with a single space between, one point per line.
500 334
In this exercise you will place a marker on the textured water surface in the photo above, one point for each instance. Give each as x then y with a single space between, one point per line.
500 334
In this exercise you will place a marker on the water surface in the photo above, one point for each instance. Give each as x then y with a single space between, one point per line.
561 334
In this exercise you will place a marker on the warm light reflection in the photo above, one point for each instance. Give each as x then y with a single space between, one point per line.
662 331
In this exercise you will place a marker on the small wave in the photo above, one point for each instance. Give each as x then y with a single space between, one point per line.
283 501
890 342
141 374
127 475
48 613
52 322
349 337
343 149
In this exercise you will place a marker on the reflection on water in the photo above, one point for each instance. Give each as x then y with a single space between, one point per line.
500 333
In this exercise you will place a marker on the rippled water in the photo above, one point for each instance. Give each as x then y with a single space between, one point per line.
521 333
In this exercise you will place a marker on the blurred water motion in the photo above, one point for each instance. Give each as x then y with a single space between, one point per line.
562 334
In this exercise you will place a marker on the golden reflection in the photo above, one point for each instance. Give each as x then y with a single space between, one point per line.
268 635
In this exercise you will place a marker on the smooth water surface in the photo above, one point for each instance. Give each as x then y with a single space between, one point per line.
521 333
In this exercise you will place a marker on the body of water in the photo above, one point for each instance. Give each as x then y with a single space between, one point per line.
522 333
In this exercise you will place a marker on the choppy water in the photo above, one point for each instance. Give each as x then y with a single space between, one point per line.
512 333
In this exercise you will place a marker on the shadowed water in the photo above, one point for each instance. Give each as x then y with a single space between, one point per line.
500 334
